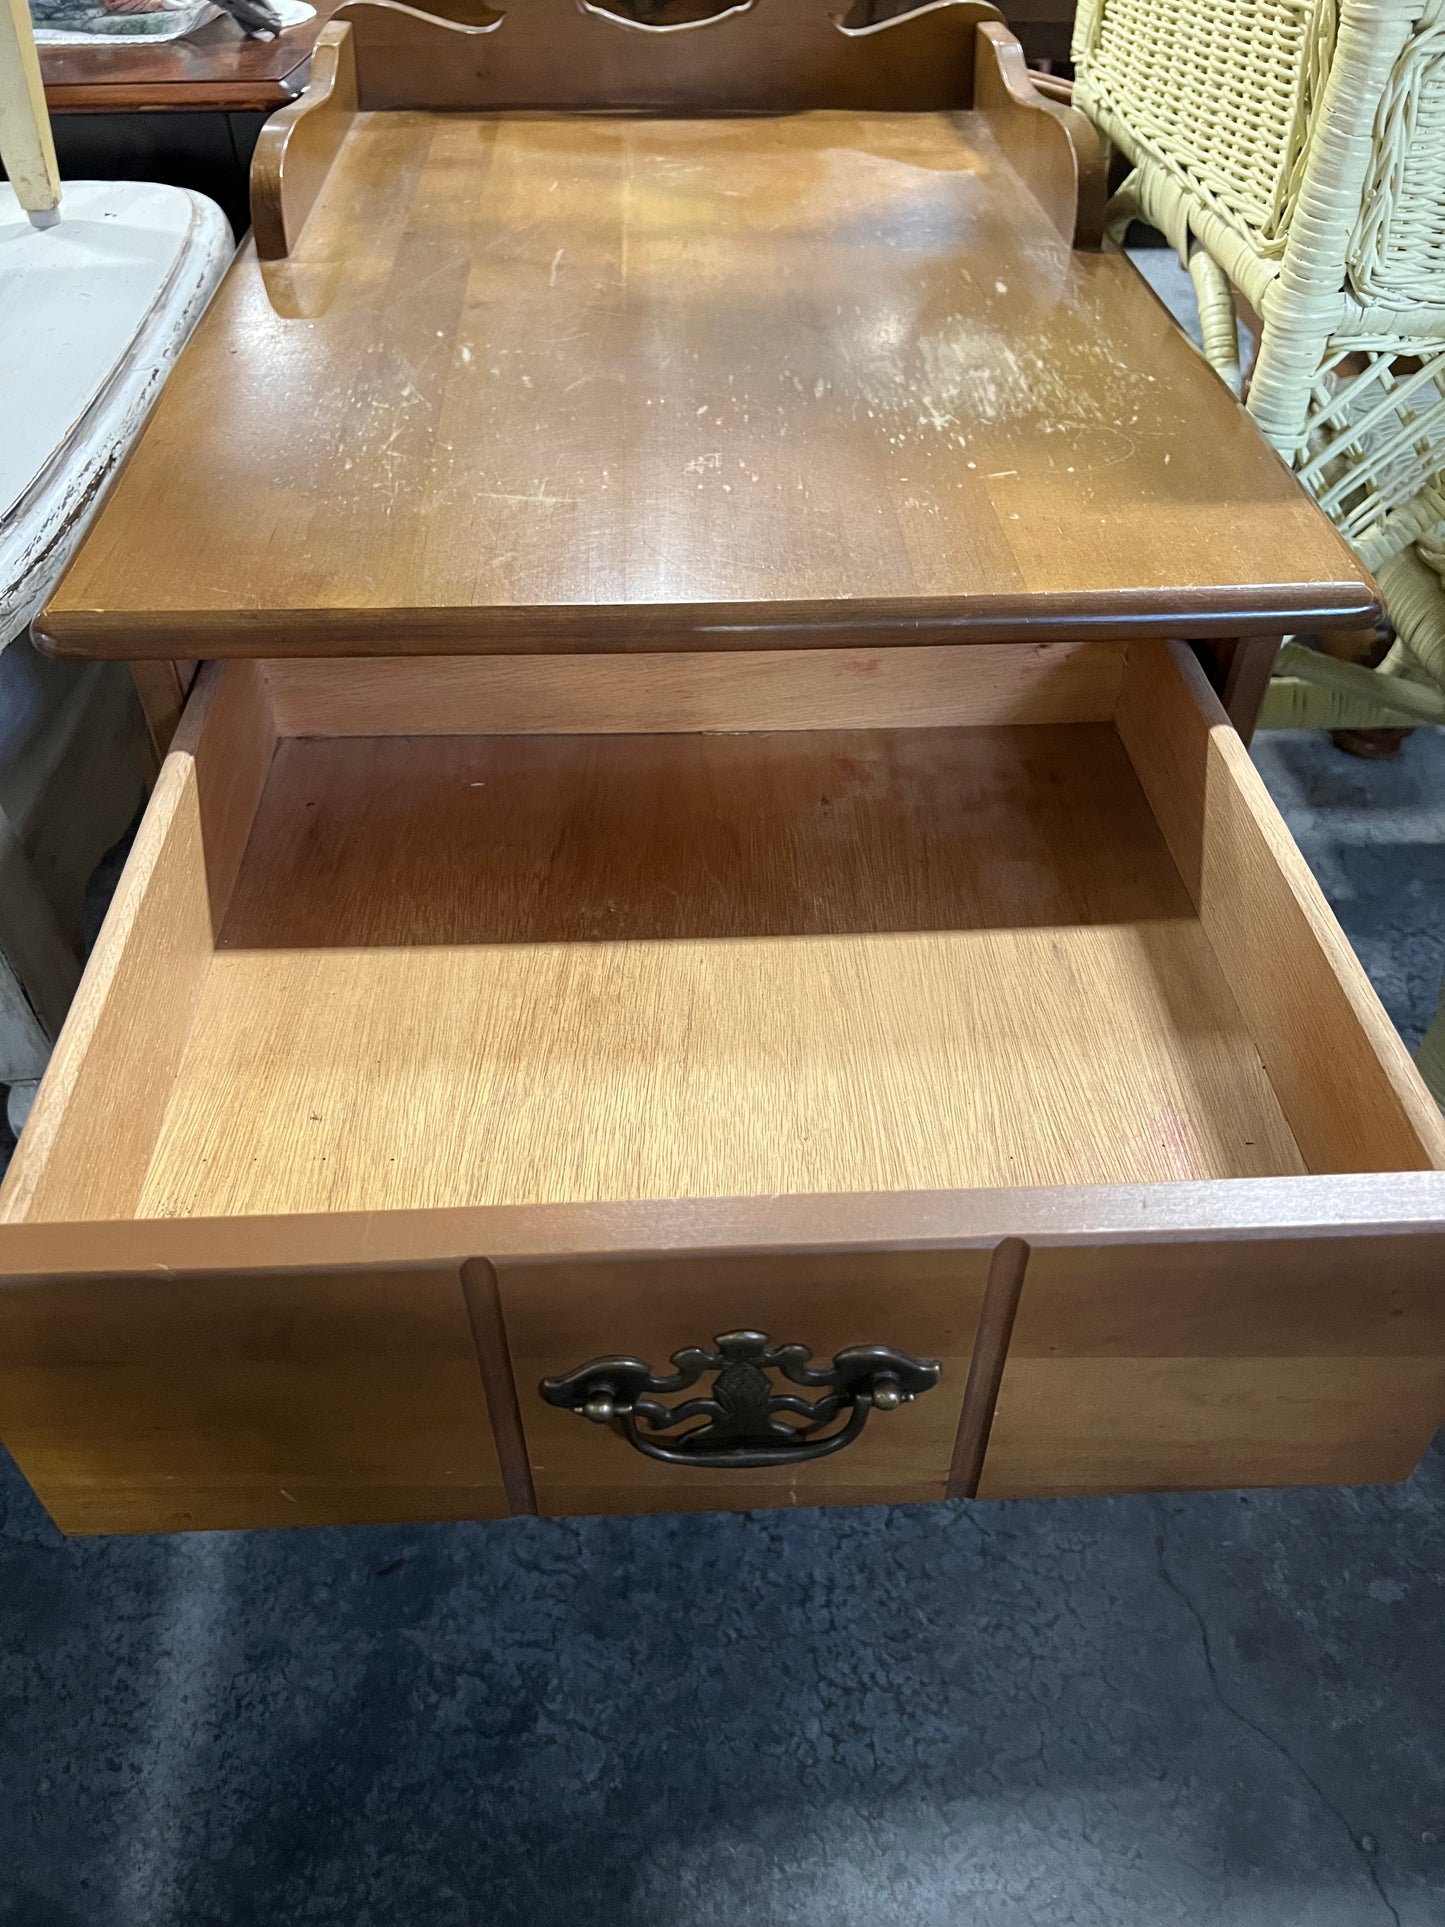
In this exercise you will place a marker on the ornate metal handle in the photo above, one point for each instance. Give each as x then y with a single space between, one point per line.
744 1422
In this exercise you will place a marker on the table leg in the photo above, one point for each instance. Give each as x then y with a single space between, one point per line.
162 688
1240 668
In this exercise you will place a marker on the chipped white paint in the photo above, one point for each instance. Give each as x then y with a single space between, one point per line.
93 312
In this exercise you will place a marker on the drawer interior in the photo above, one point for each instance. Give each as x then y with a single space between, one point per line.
423 932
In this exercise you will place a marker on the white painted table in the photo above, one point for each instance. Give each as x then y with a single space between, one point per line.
93 312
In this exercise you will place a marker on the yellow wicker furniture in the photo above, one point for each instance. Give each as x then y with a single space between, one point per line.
1294 150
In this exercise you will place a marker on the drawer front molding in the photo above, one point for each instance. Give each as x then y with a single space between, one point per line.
182 1373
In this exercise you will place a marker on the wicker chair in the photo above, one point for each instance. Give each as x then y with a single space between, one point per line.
1294 150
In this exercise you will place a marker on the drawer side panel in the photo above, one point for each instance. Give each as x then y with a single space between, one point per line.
1344 1079
89 1140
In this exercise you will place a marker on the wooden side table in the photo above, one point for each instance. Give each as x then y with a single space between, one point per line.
704 940
187 113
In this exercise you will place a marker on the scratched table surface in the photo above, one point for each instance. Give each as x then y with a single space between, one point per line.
532 381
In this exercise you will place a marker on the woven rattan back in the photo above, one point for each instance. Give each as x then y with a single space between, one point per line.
1397 250
1294 152
1219 95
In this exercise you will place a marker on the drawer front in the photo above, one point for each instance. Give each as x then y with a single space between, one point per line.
1277 1361
560 1315
209 1400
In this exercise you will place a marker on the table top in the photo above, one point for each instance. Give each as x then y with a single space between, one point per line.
540 382
216 69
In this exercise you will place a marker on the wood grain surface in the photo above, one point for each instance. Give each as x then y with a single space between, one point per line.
86 1146
1342 1073
548 383
1330 1282
1311 1361
1052 147
789 56
296 147
216 69
162 688
225 1398
685 1023
1393 1205
458 969
761 57
476 969
472 970
780 689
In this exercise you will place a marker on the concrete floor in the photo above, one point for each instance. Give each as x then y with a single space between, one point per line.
1218 1711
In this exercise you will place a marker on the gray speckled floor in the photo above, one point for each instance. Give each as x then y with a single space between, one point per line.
1374 834
1220 1711
1139 1712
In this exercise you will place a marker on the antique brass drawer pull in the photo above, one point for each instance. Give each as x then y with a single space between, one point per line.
743 1422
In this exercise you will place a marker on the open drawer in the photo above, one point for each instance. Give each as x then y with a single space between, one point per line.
459 1021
